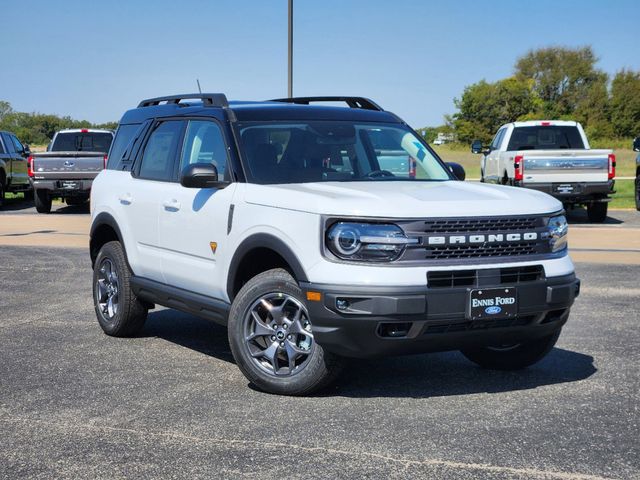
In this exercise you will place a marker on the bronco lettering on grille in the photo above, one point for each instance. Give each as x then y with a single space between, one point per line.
482 239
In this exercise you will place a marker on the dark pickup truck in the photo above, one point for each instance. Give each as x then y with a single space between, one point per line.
73 159
13 166
636 148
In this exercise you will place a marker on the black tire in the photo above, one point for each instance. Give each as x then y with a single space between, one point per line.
514 357
318 368
1 191
42 201
129 314
638 192
597 212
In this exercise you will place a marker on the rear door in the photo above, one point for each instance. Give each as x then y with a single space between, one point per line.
193 221
19 167
5 157
141 194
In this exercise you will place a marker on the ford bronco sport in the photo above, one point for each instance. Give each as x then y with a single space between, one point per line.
279 220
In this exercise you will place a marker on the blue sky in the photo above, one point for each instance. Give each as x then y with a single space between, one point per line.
94 60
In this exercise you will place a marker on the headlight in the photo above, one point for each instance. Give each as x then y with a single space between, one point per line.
557 228
367 241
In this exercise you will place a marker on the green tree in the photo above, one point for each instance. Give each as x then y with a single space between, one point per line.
484 107
5 109
625 103
562 77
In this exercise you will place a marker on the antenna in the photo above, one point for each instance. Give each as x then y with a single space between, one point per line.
199 89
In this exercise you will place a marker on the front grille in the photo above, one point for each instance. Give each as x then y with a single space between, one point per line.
478 325
446 252
454 239
474 225
485 277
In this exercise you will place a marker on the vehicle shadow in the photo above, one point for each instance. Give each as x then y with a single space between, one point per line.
579 216
417 376
16 204
188 331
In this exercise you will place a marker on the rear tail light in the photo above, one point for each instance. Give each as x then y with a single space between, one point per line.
104 161
612 166
412 167
518 165
30 167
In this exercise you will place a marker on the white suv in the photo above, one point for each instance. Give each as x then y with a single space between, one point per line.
277 219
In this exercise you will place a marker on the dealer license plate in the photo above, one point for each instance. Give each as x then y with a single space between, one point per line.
70 185
488 303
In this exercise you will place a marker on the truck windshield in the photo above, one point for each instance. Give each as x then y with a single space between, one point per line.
82 142
335 151
553 137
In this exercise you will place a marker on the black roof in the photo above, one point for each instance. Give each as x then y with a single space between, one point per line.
283 109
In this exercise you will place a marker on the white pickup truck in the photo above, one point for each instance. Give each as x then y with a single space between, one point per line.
553 157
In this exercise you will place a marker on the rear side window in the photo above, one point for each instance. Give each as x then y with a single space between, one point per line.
82 142
160 151
545 138
204 143
124 136
497 140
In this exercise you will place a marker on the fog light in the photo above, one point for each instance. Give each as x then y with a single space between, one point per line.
342 304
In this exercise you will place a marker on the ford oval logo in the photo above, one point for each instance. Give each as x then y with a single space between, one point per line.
492 310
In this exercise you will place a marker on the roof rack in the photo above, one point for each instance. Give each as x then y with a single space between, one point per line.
353 102
208 99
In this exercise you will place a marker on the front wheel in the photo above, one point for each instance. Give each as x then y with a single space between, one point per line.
597 212
271 337
43 201
512 357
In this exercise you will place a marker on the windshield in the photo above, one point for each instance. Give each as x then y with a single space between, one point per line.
334 151
552 137
82 142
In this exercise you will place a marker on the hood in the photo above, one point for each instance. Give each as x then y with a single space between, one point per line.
404 199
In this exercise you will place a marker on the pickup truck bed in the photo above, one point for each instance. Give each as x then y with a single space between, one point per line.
68 174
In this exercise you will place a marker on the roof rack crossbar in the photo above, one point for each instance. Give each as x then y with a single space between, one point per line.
353 102
208 99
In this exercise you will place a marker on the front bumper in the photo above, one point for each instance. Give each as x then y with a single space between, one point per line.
575 192
384 321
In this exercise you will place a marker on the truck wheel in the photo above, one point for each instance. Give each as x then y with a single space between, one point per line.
120 313
597 212
512 357
43 201
271 337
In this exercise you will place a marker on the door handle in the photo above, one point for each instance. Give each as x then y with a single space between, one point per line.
125 199
172 205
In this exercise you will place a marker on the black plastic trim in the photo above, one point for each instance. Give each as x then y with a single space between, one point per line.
264 240
105 218
202 306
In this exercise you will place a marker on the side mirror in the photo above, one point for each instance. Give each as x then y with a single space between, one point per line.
27 150
476 146
636 144
201 175
457 170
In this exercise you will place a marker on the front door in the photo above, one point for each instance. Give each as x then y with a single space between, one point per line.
193 221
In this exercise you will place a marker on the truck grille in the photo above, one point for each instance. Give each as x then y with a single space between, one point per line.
486 277
454 239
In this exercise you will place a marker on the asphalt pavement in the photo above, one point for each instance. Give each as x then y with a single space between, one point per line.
75 403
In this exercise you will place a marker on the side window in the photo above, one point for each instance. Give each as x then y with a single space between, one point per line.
160 151
204 143
124 136
497 140
1 146
8 143
17 145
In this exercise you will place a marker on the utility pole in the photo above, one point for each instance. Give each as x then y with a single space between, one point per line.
290 63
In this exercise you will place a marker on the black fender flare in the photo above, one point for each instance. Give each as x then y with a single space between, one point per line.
105 218
263 240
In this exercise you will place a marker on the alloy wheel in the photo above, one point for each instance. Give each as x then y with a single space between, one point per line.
107 289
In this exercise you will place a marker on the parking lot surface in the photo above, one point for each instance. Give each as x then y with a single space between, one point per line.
75 403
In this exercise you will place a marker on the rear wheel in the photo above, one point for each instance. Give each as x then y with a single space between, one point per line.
42 201
120 313
271 337
512 357
597 212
